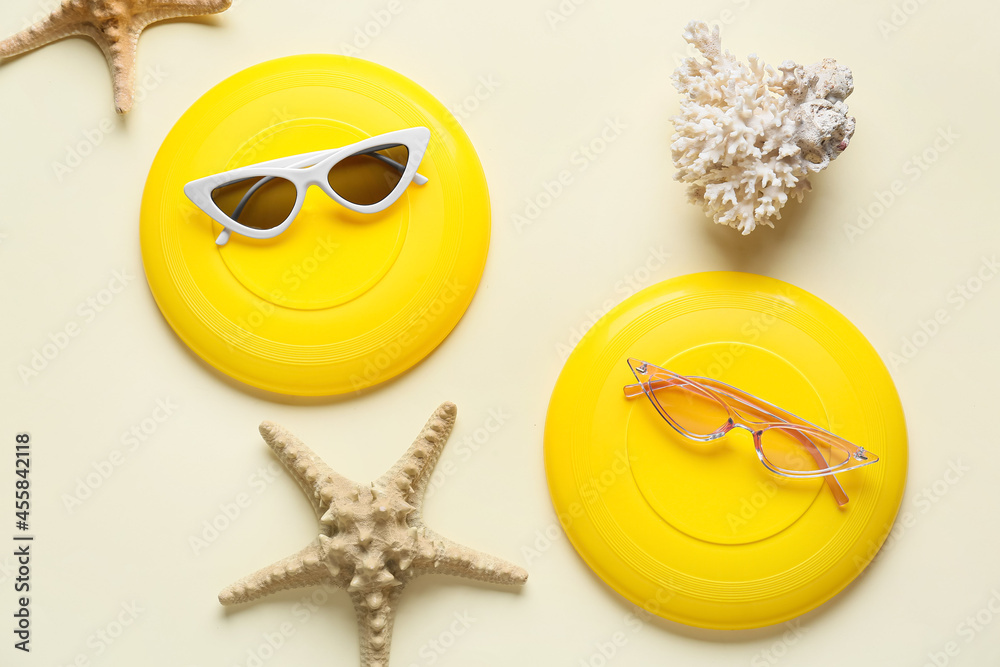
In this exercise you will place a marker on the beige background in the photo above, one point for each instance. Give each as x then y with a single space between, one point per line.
555 85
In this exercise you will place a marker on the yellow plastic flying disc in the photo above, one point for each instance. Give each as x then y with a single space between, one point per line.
702 533
341 300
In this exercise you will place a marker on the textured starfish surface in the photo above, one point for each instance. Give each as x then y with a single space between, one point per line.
115 26
372 537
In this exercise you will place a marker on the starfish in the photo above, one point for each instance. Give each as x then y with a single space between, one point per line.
115 26
372 538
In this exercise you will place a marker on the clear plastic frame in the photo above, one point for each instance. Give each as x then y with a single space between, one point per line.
705 409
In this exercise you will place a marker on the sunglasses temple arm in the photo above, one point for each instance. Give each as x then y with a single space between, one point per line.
758 405
831 480
639 388
633 390
308 158
249 193
223 238
809 445
295 161
305 159
805 441
418 178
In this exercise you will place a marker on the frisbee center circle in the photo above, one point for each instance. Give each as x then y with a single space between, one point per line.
719 491
329 254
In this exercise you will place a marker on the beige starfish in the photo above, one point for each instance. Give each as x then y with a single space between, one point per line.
115 26
372 538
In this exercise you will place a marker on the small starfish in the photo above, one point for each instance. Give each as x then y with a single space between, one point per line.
372 538
115 26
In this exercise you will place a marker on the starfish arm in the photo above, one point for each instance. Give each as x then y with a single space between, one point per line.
318 480
65 21
376 613
162 10
412 471
442 556
305 568
191 7
121 54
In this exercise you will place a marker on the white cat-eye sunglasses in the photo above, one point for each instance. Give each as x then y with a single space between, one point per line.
261 200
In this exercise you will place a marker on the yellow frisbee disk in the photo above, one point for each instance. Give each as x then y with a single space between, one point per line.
703 533
341 300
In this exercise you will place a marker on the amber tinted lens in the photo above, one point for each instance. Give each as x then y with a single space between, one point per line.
368 178
795 450
263 202
695 411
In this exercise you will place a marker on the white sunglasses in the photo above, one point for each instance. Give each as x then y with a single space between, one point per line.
261 200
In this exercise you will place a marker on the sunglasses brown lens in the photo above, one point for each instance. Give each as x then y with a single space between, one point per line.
263 202
368 178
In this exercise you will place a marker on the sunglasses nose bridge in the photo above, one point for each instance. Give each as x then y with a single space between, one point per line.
733 425
314 175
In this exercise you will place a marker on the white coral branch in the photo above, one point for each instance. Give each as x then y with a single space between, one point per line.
748 134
